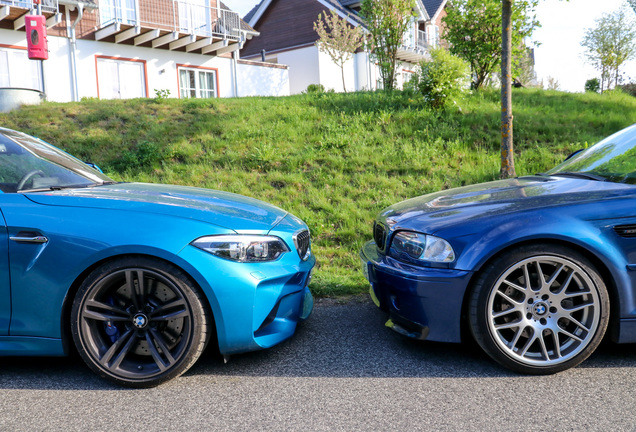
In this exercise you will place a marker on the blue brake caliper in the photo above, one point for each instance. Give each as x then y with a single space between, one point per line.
111 330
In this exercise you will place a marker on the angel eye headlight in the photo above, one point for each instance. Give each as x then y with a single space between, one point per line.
243 248
422 247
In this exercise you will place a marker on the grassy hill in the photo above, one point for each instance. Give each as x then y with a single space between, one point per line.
334 160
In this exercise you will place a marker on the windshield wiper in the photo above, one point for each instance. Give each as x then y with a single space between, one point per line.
582 175
58 187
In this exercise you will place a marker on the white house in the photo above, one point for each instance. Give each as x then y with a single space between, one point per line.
287 36
134 48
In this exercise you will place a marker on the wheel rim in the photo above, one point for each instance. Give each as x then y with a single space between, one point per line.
135 324
543 311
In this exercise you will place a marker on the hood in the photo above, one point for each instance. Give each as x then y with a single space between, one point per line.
443 209
223 209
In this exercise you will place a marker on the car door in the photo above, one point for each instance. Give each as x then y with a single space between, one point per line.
5 285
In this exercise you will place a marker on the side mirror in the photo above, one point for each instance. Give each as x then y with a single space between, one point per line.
92 165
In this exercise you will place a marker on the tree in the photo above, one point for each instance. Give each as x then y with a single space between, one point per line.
632 3
387 22
473 31
610 44
593 85
338 39
506 154
442 79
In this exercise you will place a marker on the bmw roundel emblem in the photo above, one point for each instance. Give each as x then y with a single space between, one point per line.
140 321
540 309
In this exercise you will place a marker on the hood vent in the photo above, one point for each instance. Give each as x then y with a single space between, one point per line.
628 231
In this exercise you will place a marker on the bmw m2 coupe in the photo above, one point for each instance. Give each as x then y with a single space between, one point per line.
139 277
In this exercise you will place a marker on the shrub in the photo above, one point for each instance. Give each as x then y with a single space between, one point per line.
442 79
315 88
593 85
629 88
161 94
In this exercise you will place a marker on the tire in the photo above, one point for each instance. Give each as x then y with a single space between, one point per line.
548 325
139 340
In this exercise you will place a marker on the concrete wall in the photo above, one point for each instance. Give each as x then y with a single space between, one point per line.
262 79
303 68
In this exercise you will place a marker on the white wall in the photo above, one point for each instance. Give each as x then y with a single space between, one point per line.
310 66
58 85
256 80
331 74
366 72
303 68
161 69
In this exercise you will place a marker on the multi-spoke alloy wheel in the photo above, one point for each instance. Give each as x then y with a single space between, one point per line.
541 309
139 322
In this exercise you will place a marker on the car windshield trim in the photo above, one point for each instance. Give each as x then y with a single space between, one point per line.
578 174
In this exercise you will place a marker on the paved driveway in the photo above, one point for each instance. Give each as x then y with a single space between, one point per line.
342 371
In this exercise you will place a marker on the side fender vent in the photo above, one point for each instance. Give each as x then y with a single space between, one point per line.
628 231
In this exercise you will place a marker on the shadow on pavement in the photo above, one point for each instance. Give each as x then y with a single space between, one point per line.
339 340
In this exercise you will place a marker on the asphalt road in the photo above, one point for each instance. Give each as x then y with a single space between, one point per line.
342 371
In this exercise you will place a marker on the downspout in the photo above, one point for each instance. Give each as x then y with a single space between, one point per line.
70 30
42 75
235 73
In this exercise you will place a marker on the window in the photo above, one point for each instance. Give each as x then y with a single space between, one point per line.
197 83
122 11
433 35
18 71
121 79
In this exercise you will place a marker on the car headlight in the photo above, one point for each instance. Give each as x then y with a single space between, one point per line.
422 247
243 248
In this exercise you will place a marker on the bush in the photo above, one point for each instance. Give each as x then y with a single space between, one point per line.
315 88
442 79
593 85
629 88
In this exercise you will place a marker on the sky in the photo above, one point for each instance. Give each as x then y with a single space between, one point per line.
560 55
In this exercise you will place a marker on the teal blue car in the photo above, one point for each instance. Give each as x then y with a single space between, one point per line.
139 278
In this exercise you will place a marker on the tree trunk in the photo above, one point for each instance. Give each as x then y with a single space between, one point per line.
344 87
507 154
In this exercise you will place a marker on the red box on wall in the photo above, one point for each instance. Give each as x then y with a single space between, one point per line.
36 37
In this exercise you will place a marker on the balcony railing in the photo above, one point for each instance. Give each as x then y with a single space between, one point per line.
191 17
50 6
422 42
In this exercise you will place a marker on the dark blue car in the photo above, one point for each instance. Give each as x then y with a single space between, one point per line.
539 268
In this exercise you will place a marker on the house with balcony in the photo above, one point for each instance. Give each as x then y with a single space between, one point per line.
287 36
134 48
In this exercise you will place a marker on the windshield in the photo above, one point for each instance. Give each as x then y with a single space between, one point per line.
613 159
27 163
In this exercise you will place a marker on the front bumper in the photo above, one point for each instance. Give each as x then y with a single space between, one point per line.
423 303
254 305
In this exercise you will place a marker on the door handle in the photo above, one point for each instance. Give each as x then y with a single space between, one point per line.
34 239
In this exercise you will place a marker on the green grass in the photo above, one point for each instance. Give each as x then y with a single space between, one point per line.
334 160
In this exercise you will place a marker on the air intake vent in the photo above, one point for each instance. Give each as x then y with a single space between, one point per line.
379 235
628 231
302 241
